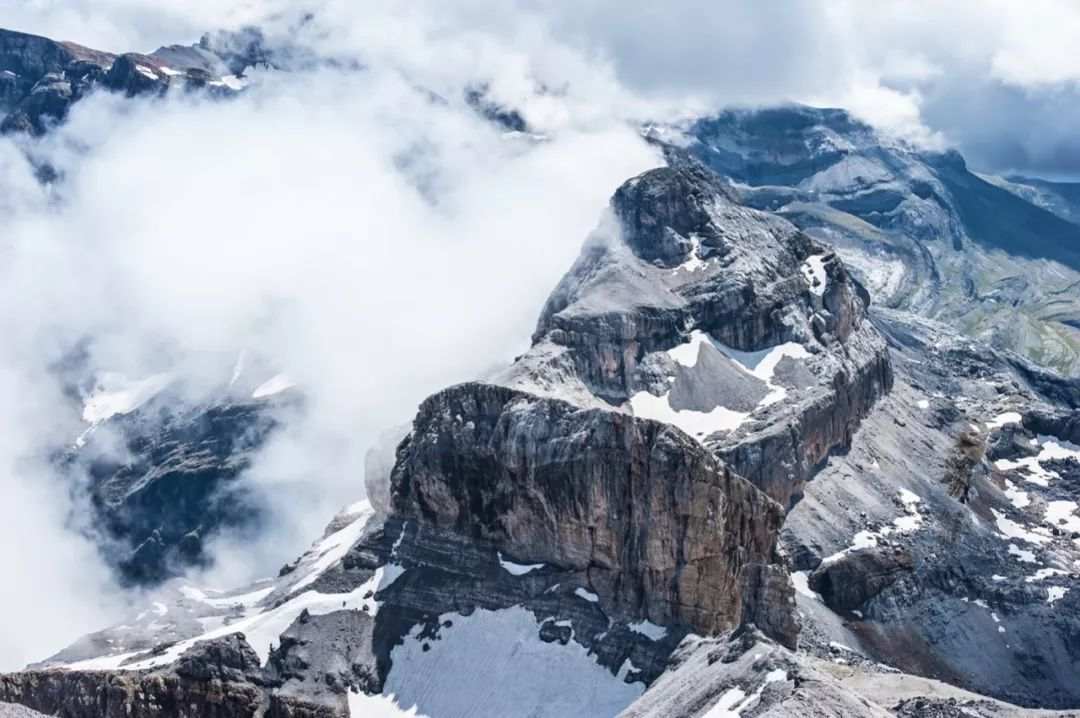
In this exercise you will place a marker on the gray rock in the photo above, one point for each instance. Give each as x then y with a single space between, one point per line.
853 578
662 529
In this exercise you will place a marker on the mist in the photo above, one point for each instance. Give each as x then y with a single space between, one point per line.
360 225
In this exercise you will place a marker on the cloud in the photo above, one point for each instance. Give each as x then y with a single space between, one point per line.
895 63
899 65
376 243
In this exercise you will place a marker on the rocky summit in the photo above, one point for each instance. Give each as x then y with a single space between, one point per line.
797 434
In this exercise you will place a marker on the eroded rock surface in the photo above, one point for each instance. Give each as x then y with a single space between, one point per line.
662 529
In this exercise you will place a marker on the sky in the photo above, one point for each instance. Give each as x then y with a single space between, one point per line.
996 79
378 246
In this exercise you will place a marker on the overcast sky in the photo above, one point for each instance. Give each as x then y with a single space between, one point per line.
995 78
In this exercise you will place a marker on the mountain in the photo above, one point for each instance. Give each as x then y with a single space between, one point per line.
579 535
797 434
1061 198
40 79
919 229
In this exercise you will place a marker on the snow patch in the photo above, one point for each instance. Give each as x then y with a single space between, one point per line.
1012 530
813 270
586 594
911 521
693 261
233 82
1023 555
1052 449
247 600
264 629
116 395
909 499
1009 417
802 585
1055 594
1044 573
735 700
726 706
648 629
332 549
1062 515
695 423
759 364
502 651
518 569
1017 497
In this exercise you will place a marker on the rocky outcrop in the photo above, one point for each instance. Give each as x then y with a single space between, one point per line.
848 581
219 680
40 79
769 603
783 456
663 531
175 486
679 260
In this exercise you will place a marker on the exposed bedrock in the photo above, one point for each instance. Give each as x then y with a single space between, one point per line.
681 258
848 581
662 530
782 457
221 679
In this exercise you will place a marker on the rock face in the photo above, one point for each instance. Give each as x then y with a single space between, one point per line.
850 580
221 680
663 530
175 485
938 552
689 306
40 79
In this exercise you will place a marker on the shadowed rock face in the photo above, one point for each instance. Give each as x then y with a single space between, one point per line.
220 680
663 530
40 79
849 581
175 488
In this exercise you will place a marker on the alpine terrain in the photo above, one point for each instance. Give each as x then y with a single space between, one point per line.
797 434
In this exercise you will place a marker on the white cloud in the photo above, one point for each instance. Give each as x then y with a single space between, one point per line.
376 244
